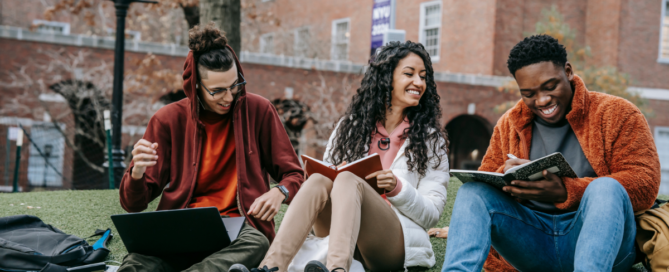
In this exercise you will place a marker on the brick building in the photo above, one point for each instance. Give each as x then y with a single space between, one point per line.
311 49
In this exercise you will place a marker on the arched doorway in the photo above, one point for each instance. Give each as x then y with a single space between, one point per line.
469 137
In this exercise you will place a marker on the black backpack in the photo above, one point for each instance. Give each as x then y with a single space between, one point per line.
28 244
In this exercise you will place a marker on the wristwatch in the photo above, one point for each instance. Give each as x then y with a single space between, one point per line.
284 191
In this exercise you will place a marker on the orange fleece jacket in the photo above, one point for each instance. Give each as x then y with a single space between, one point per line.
614 136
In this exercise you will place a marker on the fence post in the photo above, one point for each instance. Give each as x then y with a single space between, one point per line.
19 143
9 156
110 160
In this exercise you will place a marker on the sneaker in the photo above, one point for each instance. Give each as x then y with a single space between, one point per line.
265 269
316 266
238 268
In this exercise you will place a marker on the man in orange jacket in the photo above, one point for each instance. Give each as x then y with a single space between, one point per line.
557 224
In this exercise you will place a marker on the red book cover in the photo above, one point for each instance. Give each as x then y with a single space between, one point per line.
361 168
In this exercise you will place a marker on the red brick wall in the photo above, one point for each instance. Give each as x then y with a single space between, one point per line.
639 43
268 81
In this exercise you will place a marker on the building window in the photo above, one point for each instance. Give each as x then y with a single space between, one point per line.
52 27
430 27
45 166
662 144
302 42
664 35
267 43
341 35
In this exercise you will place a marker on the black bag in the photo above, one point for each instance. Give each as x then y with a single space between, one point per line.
28 244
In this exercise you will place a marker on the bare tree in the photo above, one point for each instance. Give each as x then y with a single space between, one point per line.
226 14
328 102
165 22
86 83
257 22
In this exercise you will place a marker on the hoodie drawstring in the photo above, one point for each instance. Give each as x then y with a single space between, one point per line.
248 129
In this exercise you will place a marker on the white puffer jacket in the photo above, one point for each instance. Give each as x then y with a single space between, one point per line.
418 205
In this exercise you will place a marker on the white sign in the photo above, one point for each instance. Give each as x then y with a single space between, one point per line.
13 133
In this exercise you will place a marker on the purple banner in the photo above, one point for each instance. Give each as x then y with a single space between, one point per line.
380 22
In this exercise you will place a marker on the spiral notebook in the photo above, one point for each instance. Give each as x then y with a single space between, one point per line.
555 163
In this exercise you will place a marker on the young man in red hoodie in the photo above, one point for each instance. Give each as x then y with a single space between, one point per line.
214 148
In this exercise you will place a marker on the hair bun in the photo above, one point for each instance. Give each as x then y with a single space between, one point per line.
202 40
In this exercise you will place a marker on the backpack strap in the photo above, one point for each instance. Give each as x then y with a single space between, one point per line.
104 240
99 250
53 268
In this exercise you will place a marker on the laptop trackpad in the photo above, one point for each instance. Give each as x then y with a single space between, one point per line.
233 225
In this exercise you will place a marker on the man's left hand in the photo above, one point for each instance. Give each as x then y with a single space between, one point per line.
549 189
267 205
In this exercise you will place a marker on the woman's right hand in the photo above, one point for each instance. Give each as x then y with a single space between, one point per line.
143 155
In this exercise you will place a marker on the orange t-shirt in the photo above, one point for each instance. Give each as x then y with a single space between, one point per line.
216 184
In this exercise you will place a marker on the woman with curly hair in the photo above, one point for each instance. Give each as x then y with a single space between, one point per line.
395 114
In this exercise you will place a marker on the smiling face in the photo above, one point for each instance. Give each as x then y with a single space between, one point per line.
220 103
408 81
546 89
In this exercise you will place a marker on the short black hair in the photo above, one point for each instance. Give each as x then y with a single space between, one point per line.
535 49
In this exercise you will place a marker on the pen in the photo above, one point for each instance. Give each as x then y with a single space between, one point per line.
511 156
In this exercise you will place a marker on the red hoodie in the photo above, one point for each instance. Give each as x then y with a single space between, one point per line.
262 147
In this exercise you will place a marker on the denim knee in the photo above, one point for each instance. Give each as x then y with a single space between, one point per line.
605 189
475 188
606 194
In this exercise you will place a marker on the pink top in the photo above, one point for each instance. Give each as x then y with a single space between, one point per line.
391 148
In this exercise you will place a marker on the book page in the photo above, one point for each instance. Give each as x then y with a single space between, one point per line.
321 162
357 161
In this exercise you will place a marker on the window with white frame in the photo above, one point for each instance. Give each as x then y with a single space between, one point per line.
52 27
341 35
267 43
302 42
664 35
662 144
45 166
430 27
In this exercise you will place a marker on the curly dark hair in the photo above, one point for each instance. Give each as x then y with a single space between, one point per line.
369 105
210 50
535 49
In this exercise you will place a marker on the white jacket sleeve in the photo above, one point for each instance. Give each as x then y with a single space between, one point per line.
425 203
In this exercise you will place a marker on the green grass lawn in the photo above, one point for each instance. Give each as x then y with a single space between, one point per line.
81 212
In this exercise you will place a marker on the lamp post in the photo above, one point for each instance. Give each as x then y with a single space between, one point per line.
47 154
118 155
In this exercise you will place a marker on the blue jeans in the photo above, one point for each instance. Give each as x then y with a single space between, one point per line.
599 236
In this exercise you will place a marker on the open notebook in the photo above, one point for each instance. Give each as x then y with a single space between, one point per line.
361 168
531 171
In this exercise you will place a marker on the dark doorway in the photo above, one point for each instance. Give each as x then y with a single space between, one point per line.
469 137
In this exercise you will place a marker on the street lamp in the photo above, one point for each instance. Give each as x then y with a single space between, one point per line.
118 154
47 154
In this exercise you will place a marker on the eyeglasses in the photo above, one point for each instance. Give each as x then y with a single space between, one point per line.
234 89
